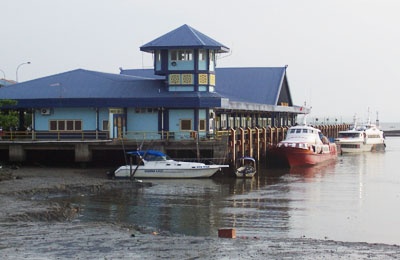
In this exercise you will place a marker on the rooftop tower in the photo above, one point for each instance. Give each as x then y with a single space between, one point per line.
186 57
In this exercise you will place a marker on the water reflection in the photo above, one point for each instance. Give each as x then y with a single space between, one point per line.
352 199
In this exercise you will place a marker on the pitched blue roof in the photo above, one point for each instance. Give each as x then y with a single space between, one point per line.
184 37
83 88
255 85
141 88
261 85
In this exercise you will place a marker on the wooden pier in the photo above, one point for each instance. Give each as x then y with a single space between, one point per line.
255 142
223 147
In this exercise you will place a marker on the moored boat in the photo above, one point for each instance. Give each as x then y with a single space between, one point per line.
305 145
155 164
245 167
361 138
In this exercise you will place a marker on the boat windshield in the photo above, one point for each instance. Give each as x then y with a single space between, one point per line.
152 157
300 130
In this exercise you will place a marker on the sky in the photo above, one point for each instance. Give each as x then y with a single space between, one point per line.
343 56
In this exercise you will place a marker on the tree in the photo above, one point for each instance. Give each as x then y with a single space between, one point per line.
8 118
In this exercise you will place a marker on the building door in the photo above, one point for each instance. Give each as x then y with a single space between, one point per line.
117 117
119 125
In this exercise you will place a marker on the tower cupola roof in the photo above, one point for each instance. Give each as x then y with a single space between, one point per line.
184 37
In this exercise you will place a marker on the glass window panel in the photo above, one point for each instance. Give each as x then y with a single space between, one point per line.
70 125
202 125
78 125
53 125
186 124
61 125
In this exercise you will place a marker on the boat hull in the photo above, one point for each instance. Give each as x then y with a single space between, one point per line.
297 157
243 173
360 147
205 171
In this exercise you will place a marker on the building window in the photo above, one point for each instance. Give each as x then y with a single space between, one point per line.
61 125
186 124
202 125
185 55
78 125
243 123
105 125
53 125
231 122
70 125
65 125
202 55
158 56
143 110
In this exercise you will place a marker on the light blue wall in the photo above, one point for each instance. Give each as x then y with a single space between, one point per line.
181 65
143 121
202 65
177 114
202 114
87 115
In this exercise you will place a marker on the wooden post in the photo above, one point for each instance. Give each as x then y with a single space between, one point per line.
242 145
250 140
258 141
265 144
233 145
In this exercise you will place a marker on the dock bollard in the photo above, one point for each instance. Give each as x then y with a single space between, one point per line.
227 233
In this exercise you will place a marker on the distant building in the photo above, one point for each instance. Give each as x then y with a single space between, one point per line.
6 82
184 93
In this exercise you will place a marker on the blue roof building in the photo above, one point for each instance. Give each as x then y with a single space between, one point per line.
5 82
185 92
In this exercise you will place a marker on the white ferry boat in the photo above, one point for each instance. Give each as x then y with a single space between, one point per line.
361 138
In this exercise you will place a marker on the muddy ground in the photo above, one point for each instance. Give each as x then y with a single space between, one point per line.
37 229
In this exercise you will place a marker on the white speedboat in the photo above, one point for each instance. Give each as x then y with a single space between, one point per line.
361 138
155 164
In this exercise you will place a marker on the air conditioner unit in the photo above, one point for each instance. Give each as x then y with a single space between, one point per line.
45 111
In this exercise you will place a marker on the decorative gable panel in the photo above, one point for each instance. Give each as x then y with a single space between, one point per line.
187 79
203 79
174 79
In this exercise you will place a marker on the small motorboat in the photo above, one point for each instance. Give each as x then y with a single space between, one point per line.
155 164
245 167
365 137
304 145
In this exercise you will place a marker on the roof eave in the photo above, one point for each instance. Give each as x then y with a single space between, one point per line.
218 49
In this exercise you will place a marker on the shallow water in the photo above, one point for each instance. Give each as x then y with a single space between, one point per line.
356 198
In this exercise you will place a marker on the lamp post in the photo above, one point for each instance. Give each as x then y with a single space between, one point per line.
4 74
16 72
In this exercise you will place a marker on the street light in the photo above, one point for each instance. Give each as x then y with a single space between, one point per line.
16 72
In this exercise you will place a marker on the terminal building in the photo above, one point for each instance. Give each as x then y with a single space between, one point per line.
185 94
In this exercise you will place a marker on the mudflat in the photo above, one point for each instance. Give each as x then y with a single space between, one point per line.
41 229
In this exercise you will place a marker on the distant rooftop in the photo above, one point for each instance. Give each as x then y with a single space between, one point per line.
6 82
